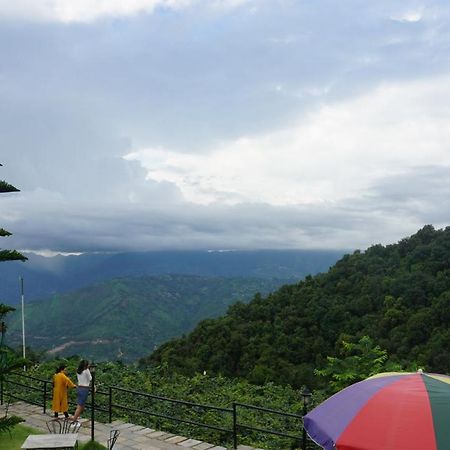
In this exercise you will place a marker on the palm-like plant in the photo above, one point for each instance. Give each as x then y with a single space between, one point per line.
8 359
8 362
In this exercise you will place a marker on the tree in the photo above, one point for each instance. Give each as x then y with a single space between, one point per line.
8 360
358 361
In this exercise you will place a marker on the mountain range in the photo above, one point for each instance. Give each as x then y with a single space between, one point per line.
47 276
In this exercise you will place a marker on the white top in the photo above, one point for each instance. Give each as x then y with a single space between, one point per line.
84 378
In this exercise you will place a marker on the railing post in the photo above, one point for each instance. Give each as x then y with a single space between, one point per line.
110 404
306 394
45 397
234 425
92 367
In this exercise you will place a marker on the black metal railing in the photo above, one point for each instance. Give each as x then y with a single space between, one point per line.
225 424
298 419
35 392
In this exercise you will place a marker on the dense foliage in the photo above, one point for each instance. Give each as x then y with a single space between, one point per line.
200 389
126 318
130 388
356 362
398 295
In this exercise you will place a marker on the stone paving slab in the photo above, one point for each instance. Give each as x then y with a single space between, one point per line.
139 439
145 431
135 428
176 439
119 446
165 437
124 426
203 446
156 434
189 443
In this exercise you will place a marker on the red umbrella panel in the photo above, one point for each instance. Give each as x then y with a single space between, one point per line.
390 411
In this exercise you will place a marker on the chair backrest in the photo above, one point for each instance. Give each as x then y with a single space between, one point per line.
64 426
54 426
70 426
113 435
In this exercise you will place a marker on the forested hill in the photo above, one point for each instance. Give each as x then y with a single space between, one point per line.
126 318
399 295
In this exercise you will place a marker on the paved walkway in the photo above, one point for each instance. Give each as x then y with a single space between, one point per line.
132 437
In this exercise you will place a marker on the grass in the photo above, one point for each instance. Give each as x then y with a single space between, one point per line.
17 437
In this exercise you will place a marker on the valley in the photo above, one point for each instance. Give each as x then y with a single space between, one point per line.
127 318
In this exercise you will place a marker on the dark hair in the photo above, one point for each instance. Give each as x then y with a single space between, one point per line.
60 368
84 364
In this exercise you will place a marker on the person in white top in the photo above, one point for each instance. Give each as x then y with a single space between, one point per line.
84 381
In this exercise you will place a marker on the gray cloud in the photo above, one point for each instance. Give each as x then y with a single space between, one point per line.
422 194
397 207
75 98
209 76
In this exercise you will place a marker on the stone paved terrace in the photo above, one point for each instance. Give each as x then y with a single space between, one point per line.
132 437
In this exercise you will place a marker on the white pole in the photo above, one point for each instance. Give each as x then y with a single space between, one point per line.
23 320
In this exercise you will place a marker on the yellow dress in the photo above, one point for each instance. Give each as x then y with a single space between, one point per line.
60 384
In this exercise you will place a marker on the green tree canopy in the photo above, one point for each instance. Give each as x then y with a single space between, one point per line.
6 187
9 255
356 362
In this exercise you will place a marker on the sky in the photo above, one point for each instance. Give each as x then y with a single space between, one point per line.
222 124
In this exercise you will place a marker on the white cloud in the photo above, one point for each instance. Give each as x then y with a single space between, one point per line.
50 253
91 10
228 4
410 16
81 10
338 152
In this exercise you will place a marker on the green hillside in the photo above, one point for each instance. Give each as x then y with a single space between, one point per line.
127 318
399 295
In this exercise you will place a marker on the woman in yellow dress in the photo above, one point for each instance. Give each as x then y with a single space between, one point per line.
61 383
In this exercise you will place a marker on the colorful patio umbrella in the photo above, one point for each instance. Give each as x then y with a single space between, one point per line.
389 411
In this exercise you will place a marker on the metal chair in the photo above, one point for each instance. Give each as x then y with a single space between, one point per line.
113 435
57 426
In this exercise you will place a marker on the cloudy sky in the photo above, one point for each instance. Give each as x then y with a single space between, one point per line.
223 124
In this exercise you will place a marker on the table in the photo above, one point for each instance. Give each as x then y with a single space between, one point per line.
50 441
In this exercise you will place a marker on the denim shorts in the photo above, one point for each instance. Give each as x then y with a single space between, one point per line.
82 395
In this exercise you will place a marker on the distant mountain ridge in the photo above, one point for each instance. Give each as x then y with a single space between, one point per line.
48 276
126 318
